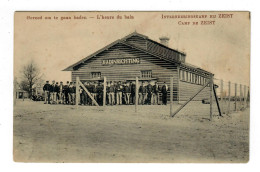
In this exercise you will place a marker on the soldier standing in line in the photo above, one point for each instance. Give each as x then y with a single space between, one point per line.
141 94
149 93
127 93
52 91
155 93
164 93
56 92
132 85
107 93
111 97
66 93
73 94
99 93
46 89
61 93
119 90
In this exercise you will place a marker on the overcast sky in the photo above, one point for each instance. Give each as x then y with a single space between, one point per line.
223 48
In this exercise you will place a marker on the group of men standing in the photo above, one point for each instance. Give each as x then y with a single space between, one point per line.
117 93
56 93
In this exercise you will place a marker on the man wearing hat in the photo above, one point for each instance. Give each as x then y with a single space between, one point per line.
111 93
46 89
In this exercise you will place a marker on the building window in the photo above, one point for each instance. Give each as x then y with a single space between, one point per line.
95 74
146 74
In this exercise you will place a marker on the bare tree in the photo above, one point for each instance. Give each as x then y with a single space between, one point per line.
30 75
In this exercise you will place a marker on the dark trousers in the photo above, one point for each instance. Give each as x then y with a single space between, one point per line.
149 98
84 98
164 98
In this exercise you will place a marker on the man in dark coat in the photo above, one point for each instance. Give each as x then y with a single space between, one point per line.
46 89
132 85
164 93
149 88
56 92
155 93
66 93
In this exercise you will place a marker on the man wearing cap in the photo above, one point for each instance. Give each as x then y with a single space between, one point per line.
73 93
132 85
46 89
52 91
66 93
142 92
149 88
111 93
127 93
119 90
155 93
164 93
56 92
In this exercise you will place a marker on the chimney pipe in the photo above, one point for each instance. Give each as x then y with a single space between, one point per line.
164 40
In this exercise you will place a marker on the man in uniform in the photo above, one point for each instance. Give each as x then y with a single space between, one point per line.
52 91
66 93
56 92
142 92
99 93
155 93
149 88
119 90
73 93
127 93
111 94
46 89
132 85
164 93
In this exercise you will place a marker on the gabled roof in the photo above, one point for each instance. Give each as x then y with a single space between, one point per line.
123 41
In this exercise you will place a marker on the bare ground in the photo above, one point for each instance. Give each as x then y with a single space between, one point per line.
62 133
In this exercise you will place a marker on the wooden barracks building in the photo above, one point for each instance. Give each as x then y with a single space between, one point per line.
135 55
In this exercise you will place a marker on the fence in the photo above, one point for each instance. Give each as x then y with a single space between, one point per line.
222 97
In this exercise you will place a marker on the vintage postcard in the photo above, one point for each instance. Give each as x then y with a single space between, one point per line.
151 87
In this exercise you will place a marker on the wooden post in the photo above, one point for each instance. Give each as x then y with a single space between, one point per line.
89 94
210 94
244 96
105 91
235 96
14 91
221 95
171 95
240 97
229 92
136 93
77 92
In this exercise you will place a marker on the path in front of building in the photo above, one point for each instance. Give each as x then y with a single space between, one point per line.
62 133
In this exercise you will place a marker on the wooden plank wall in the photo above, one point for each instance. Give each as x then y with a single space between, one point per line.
160 69
189 89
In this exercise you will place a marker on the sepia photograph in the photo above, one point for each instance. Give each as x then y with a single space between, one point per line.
131 87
